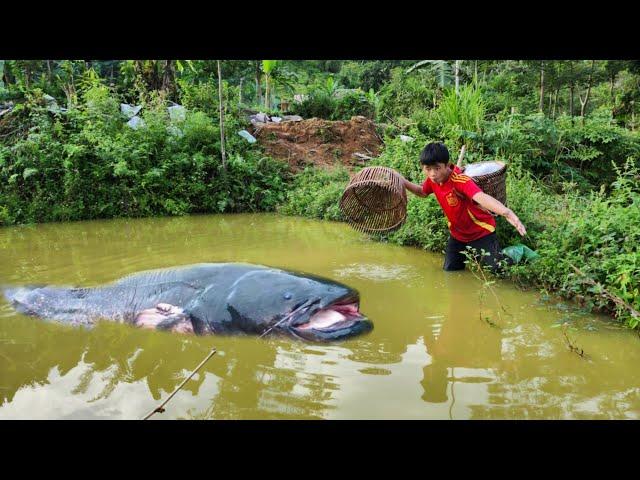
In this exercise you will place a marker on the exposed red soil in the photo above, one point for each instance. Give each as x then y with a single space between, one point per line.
321 143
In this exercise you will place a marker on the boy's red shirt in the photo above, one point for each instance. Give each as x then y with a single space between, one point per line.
467 220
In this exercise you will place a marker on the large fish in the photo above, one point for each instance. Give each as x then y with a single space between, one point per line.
210 298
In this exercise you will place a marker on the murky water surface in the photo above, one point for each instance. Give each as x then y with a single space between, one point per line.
440 349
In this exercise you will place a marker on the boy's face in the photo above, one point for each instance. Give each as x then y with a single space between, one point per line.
438 173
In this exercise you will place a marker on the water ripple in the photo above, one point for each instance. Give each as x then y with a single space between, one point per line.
376 272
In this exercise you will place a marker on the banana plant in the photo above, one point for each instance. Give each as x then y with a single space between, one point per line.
180 65
441 68
330 86
268 68
373 98
448 73
284 81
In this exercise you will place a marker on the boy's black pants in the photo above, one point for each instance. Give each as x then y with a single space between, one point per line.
454 259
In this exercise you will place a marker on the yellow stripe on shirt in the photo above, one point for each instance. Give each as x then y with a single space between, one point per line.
491 228
460 178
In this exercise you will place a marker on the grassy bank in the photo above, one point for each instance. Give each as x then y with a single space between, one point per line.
88 163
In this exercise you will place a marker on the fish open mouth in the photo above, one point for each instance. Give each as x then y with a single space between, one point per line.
340 315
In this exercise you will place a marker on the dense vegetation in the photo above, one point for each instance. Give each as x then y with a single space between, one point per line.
567 130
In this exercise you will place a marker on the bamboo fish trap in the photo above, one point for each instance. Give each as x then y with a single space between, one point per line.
375 200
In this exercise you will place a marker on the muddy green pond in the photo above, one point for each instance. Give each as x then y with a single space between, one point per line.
431 355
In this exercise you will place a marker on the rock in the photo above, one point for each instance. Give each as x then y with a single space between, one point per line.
136 122
276 119
246 135
406 138
49 99
129 110
177 113
52 104
291 118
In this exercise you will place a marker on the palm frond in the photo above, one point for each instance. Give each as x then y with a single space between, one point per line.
442 69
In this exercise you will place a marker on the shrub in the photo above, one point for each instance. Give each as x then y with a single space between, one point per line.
88 164
316 194
406 94
317 104
353 104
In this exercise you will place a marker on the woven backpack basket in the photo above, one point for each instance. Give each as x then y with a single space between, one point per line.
490 177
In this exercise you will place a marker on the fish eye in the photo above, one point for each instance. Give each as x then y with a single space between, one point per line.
287 296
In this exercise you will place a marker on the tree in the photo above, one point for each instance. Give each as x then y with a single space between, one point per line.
154 75
258 73
169 78
571 89
583 103
612 68
224 159
541 105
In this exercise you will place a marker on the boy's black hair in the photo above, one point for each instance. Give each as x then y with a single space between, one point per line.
434 153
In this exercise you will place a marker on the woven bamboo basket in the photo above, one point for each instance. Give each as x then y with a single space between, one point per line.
491 178
375 200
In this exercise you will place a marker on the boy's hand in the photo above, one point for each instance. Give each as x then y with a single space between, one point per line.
513 219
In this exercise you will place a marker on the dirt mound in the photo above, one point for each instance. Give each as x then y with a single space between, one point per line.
319 142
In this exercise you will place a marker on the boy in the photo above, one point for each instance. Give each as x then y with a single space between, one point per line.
462 201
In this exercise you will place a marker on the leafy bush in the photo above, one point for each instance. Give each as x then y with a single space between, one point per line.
406 94
353 104
560 151
316 194
88 163
200 96
366 75
317 104
5 218
329 102
598 235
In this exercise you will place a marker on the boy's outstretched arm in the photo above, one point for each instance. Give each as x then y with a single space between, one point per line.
490 203
413 188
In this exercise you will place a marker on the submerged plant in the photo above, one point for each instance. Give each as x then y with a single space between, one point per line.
571 342
482 273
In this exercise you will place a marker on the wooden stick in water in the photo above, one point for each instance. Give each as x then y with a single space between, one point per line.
160 408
